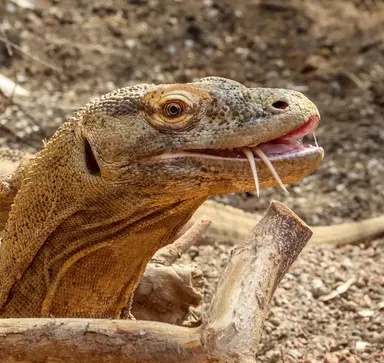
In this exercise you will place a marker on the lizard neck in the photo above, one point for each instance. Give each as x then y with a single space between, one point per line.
102 267
77 239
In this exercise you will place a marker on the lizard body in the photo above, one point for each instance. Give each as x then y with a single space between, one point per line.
119 180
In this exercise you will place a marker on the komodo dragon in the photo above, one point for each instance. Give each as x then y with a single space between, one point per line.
121 177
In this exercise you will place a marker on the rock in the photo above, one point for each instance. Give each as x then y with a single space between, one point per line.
331 358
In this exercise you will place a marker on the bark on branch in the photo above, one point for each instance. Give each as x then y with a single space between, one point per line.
231 327
233 323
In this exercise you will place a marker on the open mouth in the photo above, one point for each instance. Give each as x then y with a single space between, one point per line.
286 147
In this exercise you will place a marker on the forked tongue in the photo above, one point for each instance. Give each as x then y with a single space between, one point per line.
251 158
260 153
315 138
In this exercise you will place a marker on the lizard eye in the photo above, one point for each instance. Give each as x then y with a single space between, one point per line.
173 108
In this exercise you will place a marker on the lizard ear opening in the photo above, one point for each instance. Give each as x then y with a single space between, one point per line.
90 159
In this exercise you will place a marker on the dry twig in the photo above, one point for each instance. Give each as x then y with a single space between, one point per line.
169 254
339 290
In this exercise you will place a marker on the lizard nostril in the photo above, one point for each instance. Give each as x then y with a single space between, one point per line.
280 105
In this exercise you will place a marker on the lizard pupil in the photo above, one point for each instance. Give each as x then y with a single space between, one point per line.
173 109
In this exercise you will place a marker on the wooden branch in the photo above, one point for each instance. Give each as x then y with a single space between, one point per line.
349 233
96 341
231 327
169 254
166 293
231 225
233 324
11 89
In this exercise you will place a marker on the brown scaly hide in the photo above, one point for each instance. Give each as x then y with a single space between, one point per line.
92 210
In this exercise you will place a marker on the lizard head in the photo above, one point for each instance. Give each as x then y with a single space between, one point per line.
214 136
119 180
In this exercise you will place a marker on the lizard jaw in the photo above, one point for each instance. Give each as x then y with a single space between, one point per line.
285 148
308 154
288 146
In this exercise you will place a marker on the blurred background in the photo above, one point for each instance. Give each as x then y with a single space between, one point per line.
63 53
67 52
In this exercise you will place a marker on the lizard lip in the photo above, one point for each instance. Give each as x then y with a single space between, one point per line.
308 127
287 146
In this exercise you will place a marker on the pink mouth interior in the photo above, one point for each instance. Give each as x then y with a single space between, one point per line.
305 129
290 142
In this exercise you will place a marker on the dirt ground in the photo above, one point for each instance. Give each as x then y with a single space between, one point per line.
66 52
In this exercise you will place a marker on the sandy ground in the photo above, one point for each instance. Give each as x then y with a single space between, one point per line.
66 52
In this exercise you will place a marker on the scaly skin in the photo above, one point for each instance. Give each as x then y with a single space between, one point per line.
99 200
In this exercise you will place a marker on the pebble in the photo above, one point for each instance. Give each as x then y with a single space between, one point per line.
318 288
274 321
331 358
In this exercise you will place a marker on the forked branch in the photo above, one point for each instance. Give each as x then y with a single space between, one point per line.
231 327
